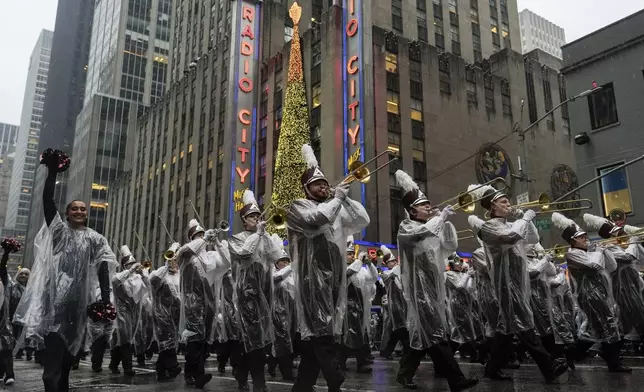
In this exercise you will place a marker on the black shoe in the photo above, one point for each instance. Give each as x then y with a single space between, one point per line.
364 369
559 367
174 372
369 361
163 376
463 384
190 380
512 365
19 356
289 378
222 369
97 368
499 376
271 371
243 386
202 380
114 369
406 383
620 369
438 374
129 373
570 360
28 356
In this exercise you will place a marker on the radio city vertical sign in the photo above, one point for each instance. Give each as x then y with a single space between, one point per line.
245 49
353 83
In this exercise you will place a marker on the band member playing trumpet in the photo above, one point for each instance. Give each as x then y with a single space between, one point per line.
505 246
424 245
590 266
252 254
317 233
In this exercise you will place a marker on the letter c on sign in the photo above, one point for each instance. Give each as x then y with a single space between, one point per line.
351 68
244 116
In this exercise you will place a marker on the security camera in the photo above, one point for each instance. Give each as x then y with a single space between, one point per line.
581 139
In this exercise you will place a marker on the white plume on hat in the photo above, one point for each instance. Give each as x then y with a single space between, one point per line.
595 222
248 197
405 181
561 221
385 251
192 224
628 229
125 251
477 191
279 244
350 244
475 223
309 156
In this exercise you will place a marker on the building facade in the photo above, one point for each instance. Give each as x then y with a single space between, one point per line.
64 100
26 159
8 135
5 182
609 122
431 109
539 33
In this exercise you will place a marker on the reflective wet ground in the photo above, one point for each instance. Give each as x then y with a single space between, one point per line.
591 376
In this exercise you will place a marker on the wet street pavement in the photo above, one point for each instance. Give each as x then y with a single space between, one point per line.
590 376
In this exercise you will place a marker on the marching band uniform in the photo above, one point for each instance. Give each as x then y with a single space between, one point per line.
504 244
317 231
7 340
284 319
165 286
99 332
229 346
590 268
460 312
68 258
144 330
563 313
129 290
540 271
424 245
17 289
395 307
252 255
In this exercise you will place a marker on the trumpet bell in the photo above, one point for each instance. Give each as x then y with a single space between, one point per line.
379 253
223 226
147 264
168 255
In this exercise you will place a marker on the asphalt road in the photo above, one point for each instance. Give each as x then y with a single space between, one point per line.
591 376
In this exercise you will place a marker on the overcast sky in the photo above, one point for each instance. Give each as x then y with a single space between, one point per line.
22 20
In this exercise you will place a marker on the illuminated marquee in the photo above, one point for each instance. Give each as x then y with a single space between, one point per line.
353 83
246 44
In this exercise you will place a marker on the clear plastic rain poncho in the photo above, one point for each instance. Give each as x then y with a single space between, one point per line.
198 271
486 296
228 329
460 287
593 288
505 246
145 330
129 291
360 278
7 340
99 329
252 257
396 308
65 270
284 317
164 287
317 235
627 289
563 309
541 270
423 249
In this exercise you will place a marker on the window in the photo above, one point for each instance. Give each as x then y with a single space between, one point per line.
391 62
470 78
416 110
397 210
396 15
392 102
419 150
602 106
444 75
615 190
315 93
506 101
488 83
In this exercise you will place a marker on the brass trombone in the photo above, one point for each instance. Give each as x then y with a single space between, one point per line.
622 239
466 237
466 201
277 217
545 205
558 251
617 216
358 170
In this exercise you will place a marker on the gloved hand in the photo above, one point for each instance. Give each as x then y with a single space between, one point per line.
447 211
135 267
261 228
470 272
529 215
210 236
341 192
596 267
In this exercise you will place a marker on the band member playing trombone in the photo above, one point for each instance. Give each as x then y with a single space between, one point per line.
541 269
317 233
627 285
505 246
590 266
424 245
164 283
252 254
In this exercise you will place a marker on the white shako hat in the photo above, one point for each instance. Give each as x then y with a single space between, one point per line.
604 227
250 204
412 195
126 255
351 247
386 254
486 194
569 227
194 228
313 171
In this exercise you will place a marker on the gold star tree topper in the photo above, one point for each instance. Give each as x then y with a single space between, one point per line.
295 12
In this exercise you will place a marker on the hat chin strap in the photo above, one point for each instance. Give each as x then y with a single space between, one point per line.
310 196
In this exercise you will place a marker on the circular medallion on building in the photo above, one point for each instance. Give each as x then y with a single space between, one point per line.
562 180
491 162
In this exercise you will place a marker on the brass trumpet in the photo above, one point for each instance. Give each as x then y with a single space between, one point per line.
171 252
222 227
147 264
466 201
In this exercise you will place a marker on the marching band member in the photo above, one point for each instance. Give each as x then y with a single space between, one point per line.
252 255
627 285
165 286
563 314
504 244
317 231
394 307
361 275
284 319
460 287
590 267
69 256
129 290
100 331
198 269
7 339
17 290
144 330
229 346
541 269
424 244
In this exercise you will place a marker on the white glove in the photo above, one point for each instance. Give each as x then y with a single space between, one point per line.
210 236
341 192
261 228
447 211
135 267
470 272
529 215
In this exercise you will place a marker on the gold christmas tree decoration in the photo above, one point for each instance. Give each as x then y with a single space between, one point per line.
296 13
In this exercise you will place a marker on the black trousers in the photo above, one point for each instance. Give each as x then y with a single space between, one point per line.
230 350
252 362
99 346
359 354
121 355
57 362
284 362
400 335
6 364
609 352
167 360
503 343
442 357
318 353
195 359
